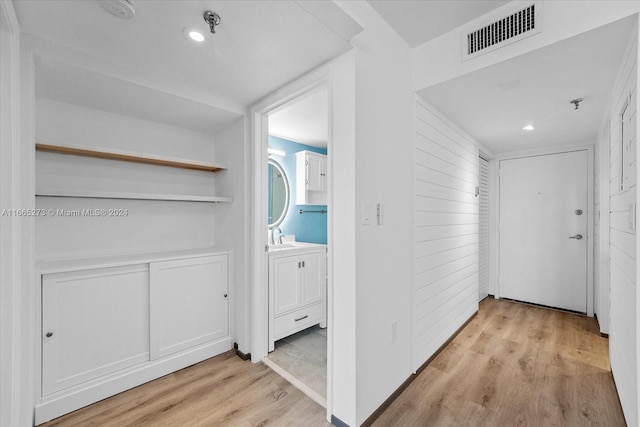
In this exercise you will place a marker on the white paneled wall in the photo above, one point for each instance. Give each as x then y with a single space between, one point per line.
446 230
622 239
483 219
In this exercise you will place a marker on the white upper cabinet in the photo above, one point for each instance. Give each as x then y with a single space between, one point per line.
311 178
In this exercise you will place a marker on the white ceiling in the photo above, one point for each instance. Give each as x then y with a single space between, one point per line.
66 83
494 103
306 121
252 54
418 21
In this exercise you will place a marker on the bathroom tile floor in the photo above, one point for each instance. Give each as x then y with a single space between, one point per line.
304 356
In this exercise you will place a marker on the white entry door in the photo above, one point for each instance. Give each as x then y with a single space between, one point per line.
543 230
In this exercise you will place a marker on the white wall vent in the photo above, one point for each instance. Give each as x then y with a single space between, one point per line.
500 32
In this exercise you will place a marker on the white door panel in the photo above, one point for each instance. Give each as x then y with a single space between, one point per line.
539 262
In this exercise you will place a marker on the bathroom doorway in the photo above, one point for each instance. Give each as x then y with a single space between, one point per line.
290 305
297 227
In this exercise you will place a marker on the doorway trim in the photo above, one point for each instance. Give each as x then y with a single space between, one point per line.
589 148
259 115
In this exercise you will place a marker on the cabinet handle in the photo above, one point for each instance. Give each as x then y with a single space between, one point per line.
302 318
299 264
225 295
302 264
49 334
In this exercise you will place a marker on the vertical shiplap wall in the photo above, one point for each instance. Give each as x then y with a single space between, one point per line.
446 230
622 237
483 219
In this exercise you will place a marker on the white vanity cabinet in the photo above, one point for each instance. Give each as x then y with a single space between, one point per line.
311 178
297 291
113 324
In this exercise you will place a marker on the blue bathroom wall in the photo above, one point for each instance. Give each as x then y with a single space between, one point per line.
307 227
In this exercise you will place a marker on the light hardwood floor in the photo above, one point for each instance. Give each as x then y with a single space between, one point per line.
221 391
512 365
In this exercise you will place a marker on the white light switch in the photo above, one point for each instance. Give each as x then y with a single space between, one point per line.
366 213
393 336
380 213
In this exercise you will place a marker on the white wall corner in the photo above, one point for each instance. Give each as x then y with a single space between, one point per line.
332 17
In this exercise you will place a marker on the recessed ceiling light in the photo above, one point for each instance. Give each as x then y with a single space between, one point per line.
529 127
194 35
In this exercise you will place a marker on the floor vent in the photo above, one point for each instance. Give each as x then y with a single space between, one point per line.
501 32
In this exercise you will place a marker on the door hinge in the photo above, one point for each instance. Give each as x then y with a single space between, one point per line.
266 248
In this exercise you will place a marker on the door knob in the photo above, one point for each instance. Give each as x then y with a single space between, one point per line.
577 237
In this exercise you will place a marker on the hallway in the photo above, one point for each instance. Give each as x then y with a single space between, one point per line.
513 364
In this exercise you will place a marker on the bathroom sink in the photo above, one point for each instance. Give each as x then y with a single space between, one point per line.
292 245
280 246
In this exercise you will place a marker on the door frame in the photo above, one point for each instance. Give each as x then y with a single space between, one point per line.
590 149
490 187
259 113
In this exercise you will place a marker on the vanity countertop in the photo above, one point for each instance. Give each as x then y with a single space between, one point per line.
294 246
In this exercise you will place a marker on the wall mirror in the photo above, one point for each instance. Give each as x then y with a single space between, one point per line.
278 193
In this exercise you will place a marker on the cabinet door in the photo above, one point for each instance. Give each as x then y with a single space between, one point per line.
323 173
314 277
94 322
189 303
285 278
315 173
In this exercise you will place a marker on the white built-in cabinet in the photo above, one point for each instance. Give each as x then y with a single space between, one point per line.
94 322
297 291
107 329
311 178
189 303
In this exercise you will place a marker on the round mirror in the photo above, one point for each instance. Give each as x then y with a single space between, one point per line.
278 193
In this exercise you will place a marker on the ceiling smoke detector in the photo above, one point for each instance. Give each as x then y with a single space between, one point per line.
122 9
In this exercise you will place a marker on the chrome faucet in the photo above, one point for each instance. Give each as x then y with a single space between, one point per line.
273 241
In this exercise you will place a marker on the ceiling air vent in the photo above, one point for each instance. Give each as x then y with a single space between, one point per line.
522 23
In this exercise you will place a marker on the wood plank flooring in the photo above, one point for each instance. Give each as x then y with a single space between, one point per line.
512 365
221 391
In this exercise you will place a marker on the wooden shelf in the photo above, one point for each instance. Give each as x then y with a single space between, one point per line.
133 196
129 157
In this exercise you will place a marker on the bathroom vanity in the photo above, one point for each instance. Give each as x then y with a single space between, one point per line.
297 288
